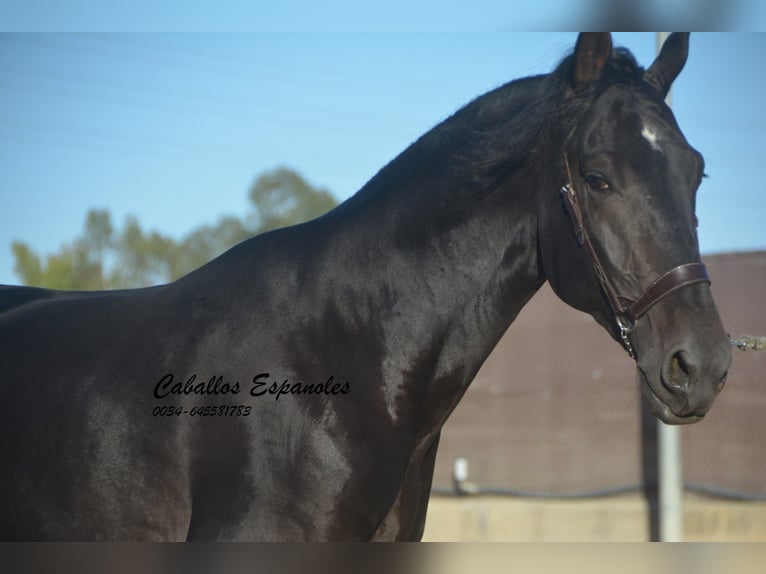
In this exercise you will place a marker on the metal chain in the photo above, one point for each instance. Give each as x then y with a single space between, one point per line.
626 329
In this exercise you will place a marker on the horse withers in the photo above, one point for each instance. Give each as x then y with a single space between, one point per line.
295 387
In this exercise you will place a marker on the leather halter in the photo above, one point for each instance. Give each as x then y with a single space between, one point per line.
628 311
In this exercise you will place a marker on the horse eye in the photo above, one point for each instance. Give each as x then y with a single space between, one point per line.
597 183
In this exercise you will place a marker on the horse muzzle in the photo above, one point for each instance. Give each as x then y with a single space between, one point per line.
681 387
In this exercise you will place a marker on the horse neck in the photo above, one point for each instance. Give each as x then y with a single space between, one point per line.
444 278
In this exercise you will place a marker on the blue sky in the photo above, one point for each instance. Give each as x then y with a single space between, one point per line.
174 128
393 15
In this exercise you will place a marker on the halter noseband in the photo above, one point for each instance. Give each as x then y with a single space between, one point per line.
628 311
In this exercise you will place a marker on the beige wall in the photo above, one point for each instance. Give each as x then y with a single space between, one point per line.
623 518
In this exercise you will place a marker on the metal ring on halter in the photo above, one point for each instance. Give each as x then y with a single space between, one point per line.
625 324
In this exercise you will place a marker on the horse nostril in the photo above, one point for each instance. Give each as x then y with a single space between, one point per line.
679 371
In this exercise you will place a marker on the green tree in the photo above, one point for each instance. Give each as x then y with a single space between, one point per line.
107 258
282 197
141 258
207 242
97 237
28 265
73 267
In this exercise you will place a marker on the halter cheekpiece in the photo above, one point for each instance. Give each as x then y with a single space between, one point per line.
627 311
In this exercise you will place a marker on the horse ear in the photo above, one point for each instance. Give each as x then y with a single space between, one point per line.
669 63
591 54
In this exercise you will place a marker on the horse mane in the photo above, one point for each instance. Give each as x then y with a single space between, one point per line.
510 127
535 115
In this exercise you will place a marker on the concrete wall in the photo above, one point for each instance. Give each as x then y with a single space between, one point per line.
612 519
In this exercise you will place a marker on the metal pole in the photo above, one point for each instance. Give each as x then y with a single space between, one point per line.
669 449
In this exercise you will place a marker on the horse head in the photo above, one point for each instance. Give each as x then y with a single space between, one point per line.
628 180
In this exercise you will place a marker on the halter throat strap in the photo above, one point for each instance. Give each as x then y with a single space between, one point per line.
627 311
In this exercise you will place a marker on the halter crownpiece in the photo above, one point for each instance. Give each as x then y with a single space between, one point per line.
627 311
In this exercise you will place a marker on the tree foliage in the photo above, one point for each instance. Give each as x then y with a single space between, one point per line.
104 257
283 197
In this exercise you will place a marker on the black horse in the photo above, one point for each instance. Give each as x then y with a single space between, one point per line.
295 387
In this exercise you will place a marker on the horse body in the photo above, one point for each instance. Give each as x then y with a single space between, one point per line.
385 308
296 466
